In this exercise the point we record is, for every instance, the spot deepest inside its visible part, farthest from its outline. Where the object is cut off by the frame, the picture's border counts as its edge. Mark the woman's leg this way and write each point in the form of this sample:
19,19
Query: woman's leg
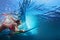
2,28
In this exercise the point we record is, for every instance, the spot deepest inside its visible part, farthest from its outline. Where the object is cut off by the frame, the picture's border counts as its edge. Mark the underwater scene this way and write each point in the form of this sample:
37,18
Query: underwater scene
29,20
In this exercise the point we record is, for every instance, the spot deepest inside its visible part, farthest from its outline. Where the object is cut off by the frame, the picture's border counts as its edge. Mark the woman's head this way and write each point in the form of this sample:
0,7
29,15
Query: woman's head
18,22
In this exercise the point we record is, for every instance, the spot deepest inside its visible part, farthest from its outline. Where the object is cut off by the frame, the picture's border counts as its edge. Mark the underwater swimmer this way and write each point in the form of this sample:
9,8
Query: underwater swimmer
10,23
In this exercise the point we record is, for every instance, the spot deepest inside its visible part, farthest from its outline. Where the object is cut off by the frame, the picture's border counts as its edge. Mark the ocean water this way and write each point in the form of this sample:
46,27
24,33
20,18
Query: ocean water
42,22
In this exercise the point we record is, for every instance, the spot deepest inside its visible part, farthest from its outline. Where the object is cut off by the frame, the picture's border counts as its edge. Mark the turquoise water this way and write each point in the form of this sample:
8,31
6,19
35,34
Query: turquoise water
44,26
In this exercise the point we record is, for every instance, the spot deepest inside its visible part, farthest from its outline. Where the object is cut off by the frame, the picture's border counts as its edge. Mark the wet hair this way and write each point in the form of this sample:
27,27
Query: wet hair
18,22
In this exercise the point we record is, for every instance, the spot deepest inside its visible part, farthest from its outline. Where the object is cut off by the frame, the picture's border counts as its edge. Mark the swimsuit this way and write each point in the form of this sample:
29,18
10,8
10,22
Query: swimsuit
8,22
